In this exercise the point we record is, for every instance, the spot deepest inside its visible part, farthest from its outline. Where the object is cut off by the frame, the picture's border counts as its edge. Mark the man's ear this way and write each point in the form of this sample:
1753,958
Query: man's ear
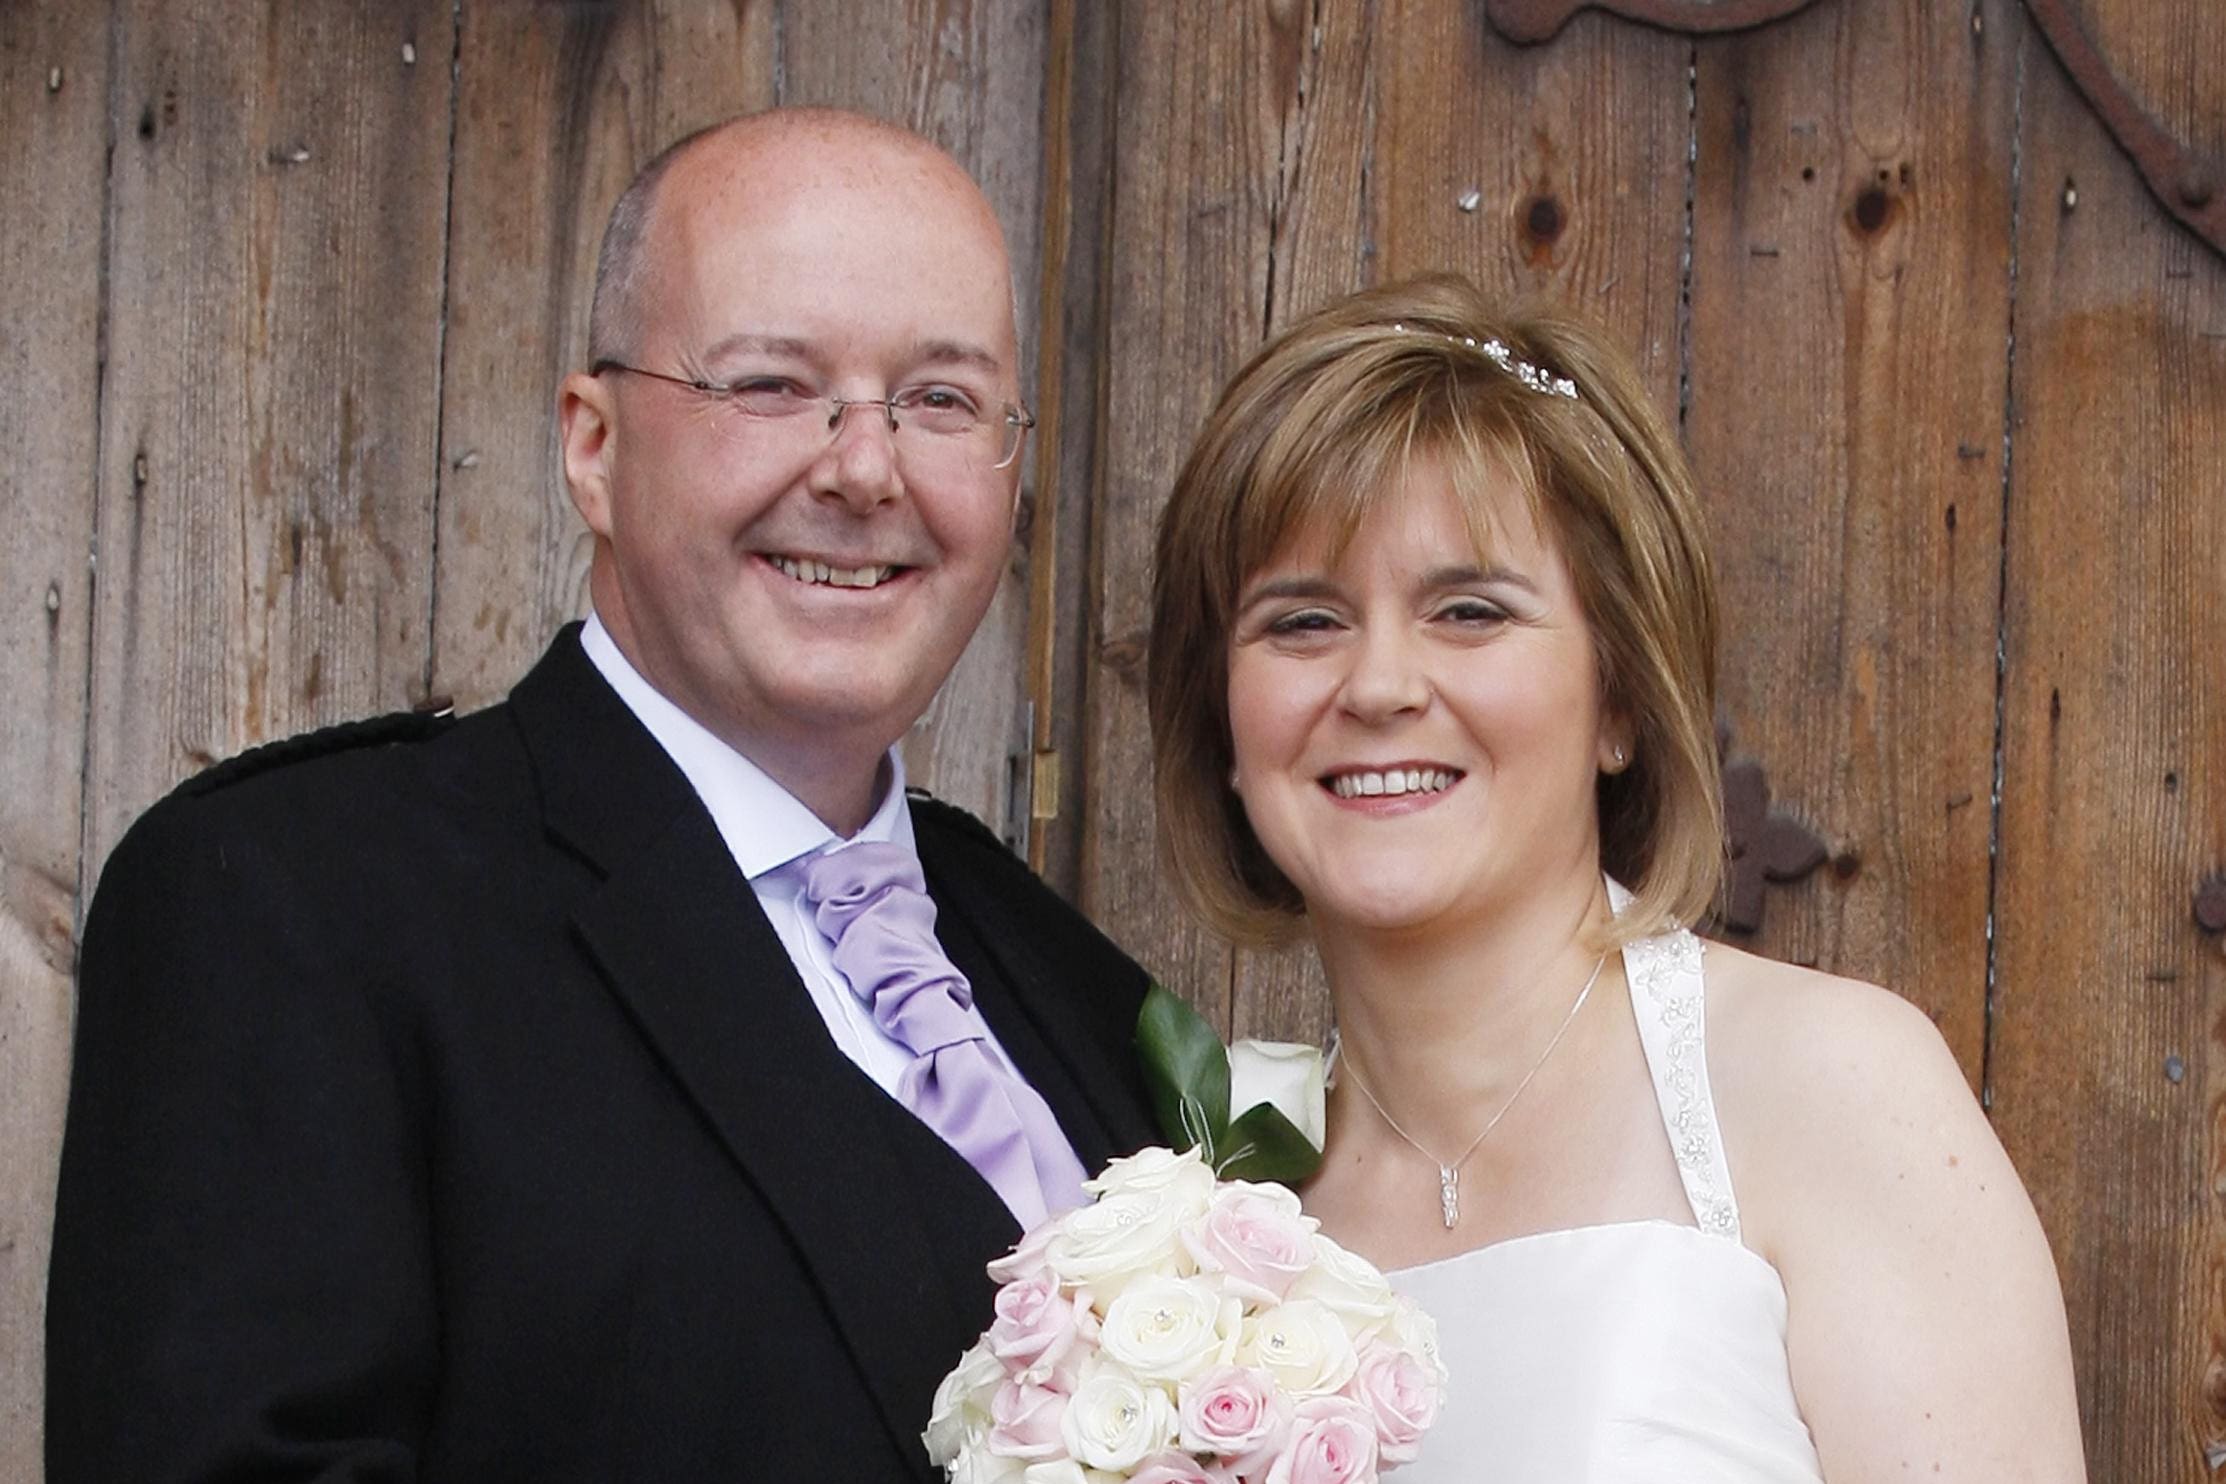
587,429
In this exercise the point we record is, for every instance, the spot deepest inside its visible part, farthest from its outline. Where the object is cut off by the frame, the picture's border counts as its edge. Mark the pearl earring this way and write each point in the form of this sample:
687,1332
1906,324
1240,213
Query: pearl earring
1617,754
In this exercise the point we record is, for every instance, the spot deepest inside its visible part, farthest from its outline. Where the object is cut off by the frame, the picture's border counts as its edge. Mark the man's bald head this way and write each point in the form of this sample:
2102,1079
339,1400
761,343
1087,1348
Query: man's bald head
726,154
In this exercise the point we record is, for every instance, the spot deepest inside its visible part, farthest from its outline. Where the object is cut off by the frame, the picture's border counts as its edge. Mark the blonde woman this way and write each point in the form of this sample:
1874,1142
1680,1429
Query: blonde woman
1432,684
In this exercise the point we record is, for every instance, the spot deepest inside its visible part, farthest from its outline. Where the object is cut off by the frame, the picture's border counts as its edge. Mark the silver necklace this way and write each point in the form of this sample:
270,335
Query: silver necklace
1449,1172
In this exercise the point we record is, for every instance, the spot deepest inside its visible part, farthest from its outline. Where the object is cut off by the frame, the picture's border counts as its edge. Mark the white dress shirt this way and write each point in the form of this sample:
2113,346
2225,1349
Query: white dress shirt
765,827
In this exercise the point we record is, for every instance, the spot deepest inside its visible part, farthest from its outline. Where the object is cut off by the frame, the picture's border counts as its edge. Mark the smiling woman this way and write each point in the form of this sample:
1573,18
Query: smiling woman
1432,682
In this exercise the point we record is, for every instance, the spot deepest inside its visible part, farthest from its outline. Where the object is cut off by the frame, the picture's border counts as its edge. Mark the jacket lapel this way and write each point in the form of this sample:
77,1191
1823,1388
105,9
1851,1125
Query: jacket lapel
681,941
1065,1025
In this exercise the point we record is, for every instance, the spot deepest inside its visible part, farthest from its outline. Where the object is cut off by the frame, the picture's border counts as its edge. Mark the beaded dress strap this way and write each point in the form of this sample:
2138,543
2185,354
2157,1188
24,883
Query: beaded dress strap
1666,998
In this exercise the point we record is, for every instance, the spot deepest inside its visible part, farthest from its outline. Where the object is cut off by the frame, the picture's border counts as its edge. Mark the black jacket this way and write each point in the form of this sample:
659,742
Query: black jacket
447,1109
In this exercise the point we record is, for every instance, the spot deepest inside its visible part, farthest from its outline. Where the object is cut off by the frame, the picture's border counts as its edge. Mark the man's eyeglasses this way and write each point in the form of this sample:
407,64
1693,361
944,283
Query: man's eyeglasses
934,425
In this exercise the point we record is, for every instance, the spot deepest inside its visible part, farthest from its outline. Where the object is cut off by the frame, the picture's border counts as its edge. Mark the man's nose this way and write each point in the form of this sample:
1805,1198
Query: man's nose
859,464
1388,676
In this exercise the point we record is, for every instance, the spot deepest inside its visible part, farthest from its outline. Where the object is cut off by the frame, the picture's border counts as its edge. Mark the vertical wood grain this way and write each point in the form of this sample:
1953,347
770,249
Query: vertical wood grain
1201,96
969,76
1850,331
2108,1069
1320,248
53,113
558,106
276,224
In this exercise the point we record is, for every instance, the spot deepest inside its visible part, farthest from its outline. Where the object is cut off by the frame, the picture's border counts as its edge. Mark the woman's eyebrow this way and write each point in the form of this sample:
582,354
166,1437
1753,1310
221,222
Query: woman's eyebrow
1289,587
1470,574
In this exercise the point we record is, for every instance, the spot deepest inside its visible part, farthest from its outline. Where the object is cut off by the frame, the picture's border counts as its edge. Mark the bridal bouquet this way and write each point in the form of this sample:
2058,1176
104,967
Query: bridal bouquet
1185,1328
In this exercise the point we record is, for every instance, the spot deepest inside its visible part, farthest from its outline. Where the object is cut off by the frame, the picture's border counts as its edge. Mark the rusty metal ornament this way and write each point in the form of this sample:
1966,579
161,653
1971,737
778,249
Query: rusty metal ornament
1766,844
2185,183
1527,22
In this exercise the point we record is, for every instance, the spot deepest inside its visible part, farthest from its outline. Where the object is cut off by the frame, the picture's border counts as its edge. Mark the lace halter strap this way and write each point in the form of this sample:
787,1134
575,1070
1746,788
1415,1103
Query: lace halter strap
1666,998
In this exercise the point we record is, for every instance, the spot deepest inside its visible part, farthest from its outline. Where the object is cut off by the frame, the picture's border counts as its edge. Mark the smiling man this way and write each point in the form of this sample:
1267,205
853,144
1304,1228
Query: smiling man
628,1081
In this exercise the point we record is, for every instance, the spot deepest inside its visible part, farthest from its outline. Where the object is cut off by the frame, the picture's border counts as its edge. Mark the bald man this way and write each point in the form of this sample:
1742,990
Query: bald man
587,1089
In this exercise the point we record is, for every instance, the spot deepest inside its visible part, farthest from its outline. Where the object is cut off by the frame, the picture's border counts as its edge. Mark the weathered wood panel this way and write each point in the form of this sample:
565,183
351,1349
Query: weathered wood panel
1201,96
1850,329
970,76
53,113
278,192
2108,1069
557,107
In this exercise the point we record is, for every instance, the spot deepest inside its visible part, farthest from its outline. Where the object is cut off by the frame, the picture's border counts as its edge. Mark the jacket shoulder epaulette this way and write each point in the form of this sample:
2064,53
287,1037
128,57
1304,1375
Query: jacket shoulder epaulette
347,736
950,816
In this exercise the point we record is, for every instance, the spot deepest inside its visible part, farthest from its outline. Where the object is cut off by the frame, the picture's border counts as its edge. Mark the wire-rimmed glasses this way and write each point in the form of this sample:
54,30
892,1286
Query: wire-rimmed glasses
931,425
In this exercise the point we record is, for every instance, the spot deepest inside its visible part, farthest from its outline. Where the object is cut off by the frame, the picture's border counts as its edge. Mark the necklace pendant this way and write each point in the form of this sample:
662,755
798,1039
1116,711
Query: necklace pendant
1449,1195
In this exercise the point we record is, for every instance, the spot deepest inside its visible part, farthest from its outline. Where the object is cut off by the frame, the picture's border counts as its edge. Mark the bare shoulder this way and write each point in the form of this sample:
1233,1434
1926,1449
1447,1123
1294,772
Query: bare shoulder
1926,1330
1822,1080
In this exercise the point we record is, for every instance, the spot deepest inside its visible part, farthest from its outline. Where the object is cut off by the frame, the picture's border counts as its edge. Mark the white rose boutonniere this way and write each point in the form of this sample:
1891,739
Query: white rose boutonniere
1256,1110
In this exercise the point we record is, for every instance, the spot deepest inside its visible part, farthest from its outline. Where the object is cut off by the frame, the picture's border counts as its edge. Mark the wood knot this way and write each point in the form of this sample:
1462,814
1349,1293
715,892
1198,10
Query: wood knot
1124,656
1542,220
2197,187
1873,209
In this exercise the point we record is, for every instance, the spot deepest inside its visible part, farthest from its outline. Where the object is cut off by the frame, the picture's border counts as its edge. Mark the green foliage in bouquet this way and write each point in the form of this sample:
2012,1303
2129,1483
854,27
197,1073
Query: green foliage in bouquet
1188,1074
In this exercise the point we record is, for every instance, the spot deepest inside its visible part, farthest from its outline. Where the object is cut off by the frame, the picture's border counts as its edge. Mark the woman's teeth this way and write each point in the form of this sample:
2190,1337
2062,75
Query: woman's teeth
810,571
1395,781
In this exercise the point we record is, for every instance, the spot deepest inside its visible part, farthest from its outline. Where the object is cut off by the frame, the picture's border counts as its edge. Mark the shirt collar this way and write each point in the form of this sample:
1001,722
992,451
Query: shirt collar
764,825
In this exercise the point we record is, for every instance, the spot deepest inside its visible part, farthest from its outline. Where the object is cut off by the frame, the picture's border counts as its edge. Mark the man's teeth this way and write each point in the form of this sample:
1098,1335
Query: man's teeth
804,570
1395,781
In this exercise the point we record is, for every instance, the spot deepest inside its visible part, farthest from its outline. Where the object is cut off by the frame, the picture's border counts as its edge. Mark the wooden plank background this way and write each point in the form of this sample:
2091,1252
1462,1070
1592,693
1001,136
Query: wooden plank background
279,339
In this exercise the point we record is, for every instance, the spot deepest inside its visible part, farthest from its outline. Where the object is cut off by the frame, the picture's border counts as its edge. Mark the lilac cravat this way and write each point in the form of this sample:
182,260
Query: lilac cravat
872,903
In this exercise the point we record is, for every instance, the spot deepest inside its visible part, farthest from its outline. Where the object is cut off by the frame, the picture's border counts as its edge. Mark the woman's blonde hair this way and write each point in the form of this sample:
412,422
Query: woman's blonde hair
1319,429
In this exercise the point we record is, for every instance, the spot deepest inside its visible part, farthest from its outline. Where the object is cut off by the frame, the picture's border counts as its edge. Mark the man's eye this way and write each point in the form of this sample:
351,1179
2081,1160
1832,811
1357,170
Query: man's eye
939,404
767,396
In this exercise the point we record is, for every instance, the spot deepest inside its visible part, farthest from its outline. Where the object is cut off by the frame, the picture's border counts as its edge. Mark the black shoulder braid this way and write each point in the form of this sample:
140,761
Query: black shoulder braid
932,809
347,736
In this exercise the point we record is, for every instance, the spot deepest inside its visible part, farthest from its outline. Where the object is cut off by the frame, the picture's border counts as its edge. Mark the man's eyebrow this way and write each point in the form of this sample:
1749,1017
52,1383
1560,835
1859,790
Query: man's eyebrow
956,352
778,345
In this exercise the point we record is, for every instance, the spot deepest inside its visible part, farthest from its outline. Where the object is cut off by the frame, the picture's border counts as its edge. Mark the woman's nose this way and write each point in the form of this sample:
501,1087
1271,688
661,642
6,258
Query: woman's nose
1387,677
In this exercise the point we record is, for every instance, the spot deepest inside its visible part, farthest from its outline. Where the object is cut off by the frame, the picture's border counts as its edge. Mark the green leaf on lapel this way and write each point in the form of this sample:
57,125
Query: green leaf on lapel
1264,1145
1186,1071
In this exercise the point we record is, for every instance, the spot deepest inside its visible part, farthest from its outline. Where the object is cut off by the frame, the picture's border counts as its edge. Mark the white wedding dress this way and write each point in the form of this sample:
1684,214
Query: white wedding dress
1636,1351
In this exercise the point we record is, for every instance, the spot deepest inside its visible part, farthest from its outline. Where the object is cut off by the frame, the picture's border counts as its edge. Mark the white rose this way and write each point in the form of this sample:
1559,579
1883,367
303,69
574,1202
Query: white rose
1169,1329
1414,1331
1348,1284
1303,1344
1284,1074
1114,1421
975,1464
1184,1179
1124,1236
960,1415
1066,1471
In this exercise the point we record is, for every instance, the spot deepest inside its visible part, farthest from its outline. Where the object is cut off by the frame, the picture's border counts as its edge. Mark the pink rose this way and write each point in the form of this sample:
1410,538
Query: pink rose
1333,1441
1025,1421
1256,1236
1035,1326
1402,1396
1240,1416
1178,1468
1027,1259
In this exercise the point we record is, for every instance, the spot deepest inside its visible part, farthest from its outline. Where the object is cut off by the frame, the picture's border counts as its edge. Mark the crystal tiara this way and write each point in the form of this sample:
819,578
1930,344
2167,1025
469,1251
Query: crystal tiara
1537,378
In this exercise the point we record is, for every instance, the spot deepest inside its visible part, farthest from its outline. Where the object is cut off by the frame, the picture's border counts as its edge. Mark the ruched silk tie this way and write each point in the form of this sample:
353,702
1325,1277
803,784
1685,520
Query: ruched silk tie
871,902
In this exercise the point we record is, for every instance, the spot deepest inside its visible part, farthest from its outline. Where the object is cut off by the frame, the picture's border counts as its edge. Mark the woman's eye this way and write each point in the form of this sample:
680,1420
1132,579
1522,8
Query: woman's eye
1305,621
1473,611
